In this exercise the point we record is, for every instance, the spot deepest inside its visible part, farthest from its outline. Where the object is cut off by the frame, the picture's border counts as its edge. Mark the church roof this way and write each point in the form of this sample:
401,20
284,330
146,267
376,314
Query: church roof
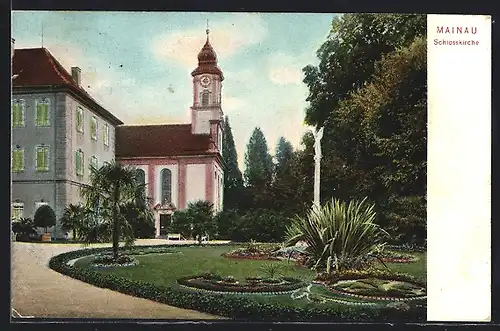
160,140
207,61
37,68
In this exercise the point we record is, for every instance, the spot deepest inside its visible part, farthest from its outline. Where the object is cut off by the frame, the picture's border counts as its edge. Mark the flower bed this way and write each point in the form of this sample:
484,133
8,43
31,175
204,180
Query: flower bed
251,254
235,307
397,257
375,285
108,261
216,283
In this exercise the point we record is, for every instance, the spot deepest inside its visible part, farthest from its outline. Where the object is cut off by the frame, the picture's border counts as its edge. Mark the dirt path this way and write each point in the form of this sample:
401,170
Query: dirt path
41,292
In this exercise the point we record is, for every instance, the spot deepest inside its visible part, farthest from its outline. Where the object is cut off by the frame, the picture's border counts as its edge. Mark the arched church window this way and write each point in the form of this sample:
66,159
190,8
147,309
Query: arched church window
140,177
166,186
204,98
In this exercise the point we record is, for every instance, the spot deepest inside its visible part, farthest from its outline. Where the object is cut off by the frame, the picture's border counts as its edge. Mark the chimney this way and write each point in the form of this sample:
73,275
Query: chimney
76,74
12,47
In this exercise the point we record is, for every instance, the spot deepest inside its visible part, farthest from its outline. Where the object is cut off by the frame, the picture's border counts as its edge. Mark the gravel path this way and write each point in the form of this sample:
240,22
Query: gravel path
41,292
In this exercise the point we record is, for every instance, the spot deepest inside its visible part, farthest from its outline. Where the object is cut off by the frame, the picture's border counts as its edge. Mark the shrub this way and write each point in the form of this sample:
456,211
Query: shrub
262,225
338,235
407,220
239,308
227,223
24,229
45,217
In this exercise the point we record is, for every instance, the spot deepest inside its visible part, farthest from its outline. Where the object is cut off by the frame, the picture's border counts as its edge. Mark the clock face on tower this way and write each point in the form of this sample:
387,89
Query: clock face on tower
205,81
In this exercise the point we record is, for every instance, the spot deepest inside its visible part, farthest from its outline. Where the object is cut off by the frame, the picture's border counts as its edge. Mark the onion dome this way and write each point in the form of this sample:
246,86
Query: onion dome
207,61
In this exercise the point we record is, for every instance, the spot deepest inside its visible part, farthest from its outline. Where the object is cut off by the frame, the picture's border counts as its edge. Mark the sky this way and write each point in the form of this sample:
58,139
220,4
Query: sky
138,64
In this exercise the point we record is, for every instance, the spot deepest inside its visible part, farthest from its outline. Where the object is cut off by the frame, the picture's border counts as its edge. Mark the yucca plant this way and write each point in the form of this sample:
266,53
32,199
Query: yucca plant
339,234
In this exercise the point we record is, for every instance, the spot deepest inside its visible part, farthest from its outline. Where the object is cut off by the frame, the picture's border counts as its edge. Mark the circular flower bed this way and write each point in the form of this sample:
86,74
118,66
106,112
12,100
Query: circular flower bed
379,289
108,261
375,285
397,257
218,284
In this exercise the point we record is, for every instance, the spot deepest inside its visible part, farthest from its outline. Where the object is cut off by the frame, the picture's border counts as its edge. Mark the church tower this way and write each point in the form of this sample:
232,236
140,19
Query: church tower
206,113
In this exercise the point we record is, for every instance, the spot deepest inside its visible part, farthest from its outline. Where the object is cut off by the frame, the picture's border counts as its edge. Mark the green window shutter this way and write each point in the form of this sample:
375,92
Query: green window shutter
38,114
21,160
77,163
45,111
39,157
17,156
14,114
45,159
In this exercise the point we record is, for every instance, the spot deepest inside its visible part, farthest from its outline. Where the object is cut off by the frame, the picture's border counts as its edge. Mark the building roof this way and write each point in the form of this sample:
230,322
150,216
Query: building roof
36,67
160,141
207,61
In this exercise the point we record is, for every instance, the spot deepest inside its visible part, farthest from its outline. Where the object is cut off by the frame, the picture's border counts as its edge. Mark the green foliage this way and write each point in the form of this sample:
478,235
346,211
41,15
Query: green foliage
181,223
195,221
200,215
73,219
369,91
235,307
338,235
111,188
141,219
272,270
227,223
258,162
408,220
45,217
262,225
233,179
23,229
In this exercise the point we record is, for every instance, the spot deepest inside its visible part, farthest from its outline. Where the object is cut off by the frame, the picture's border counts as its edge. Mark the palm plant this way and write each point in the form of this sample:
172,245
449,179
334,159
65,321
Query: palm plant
338,234
111,187
73,218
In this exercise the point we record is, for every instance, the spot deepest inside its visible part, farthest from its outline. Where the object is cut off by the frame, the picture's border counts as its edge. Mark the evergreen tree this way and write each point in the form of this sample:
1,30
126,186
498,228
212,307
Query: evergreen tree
233,180
258,161
283,157
258,172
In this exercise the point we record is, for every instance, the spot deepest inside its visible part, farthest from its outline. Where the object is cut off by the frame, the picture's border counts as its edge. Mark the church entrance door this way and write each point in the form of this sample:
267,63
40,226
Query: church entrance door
165,221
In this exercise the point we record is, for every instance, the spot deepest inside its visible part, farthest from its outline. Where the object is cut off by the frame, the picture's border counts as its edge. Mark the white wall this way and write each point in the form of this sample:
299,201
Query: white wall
195,182
175,183
202,118
218,188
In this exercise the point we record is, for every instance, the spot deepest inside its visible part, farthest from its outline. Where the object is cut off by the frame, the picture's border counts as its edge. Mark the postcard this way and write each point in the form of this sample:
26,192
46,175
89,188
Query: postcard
312,167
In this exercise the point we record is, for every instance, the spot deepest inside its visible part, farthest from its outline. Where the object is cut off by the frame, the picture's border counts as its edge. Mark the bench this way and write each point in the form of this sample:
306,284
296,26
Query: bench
176,236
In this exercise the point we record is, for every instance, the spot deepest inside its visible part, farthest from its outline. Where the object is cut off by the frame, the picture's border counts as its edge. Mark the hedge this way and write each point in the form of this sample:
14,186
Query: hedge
238,308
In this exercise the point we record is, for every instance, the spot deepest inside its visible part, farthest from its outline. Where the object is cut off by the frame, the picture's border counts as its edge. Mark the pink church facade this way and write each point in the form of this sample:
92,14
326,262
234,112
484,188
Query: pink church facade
181,163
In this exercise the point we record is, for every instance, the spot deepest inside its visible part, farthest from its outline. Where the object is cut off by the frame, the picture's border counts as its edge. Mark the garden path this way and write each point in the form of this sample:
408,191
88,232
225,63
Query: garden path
39,291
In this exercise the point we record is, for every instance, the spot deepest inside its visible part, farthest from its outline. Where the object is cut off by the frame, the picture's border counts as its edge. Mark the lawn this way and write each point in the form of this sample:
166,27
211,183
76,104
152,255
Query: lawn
165,269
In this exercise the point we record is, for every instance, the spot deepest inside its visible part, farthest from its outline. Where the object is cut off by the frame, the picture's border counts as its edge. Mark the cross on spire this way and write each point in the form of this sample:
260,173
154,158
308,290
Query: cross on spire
207,30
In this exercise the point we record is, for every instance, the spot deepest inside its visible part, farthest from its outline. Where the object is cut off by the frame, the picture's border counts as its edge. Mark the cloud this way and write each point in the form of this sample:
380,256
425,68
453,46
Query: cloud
284,69
227,36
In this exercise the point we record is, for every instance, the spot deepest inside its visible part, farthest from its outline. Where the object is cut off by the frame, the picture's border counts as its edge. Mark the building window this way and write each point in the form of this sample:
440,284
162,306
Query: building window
18,113
219,140
93,128
17,210
204,98
79,163
42,158
42,112
18,159
105,134
94,163
166,186
79,119
140,176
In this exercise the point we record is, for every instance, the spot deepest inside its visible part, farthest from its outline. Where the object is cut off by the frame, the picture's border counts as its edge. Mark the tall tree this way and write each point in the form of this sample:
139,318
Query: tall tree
233,179
258,161
258,172
283,157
